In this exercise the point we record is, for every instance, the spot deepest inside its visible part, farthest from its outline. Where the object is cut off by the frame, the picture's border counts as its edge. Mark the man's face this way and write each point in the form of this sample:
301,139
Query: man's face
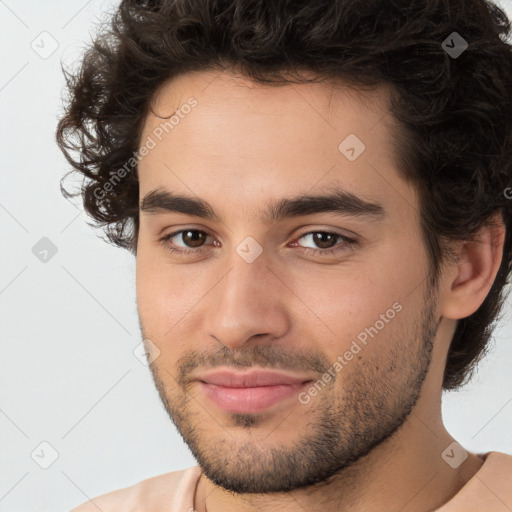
353,326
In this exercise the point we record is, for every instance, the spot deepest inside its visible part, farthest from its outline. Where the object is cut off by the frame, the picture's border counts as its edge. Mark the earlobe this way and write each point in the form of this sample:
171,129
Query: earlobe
479,262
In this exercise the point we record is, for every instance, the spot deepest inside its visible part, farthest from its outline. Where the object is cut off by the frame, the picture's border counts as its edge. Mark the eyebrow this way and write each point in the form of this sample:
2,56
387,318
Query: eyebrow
337,201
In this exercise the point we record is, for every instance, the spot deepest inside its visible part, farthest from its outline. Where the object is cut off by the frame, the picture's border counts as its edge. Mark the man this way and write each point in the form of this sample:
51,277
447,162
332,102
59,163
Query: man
317,196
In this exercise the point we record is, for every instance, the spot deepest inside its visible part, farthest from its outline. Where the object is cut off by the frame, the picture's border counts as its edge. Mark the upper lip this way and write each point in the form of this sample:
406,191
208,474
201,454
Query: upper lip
250,379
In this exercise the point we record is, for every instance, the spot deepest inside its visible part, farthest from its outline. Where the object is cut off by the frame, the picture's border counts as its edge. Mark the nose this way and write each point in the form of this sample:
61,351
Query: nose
248,302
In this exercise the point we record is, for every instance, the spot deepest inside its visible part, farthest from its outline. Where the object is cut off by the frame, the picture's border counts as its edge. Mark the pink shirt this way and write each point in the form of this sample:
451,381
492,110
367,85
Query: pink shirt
489,490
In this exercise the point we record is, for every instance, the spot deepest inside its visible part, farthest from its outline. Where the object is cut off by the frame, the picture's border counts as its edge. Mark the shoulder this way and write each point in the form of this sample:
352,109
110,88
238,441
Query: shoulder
498,476
169,492
489,489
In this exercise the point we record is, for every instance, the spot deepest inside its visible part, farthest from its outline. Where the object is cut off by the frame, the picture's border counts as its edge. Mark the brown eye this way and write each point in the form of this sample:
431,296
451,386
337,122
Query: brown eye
193,237
325,241
185,241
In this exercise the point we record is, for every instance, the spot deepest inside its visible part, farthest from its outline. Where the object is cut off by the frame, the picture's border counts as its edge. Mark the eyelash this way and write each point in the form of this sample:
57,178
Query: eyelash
347,245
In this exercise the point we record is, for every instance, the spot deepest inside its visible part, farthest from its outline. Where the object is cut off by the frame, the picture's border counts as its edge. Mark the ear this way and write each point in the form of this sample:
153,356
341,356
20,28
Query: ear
468,283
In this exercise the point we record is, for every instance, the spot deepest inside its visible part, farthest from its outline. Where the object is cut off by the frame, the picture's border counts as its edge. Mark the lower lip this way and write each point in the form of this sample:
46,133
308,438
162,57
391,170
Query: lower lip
249,400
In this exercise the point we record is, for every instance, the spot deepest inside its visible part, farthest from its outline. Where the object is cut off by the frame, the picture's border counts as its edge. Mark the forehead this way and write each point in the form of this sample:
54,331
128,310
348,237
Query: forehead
224,95
249,141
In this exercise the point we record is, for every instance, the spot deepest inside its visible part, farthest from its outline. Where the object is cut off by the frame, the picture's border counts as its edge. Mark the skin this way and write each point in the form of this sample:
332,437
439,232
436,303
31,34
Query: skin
372,438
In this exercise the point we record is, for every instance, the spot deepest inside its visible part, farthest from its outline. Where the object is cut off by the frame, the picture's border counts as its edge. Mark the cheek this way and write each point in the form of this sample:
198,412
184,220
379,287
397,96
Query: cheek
166,297
361,304
341,303
155,292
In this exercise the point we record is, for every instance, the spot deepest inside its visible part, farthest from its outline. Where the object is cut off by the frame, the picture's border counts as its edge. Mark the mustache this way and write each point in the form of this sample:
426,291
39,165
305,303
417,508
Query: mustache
262,356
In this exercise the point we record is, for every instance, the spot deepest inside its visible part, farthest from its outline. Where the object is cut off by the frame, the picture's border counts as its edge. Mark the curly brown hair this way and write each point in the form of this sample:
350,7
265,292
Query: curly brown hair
454,111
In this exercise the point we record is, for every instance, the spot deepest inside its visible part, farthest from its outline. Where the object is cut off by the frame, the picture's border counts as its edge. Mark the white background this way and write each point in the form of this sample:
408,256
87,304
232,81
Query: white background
68,326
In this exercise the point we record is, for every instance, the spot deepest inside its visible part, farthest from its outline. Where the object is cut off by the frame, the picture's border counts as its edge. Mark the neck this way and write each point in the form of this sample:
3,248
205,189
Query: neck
406,472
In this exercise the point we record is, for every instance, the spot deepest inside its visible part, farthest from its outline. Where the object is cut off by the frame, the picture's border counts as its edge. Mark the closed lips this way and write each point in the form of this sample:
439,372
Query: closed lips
252,379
